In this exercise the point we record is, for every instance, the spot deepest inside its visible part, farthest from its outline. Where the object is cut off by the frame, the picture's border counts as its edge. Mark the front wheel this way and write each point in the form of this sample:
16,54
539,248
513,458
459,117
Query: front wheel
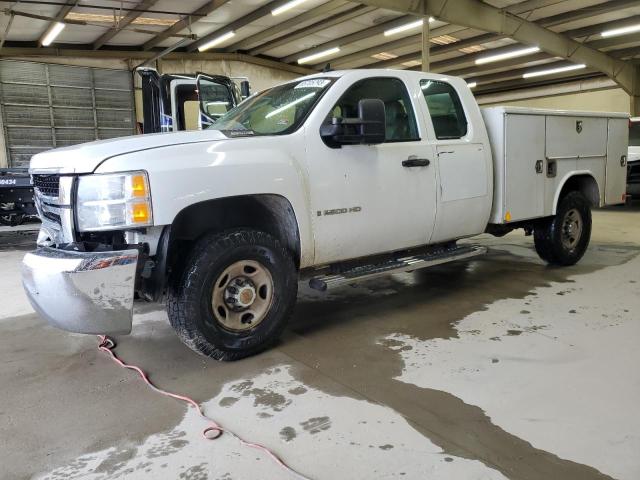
235,294
563,239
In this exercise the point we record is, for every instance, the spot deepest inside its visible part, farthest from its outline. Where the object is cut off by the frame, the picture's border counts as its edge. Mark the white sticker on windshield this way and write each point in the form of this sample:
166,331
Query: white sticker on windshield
313,83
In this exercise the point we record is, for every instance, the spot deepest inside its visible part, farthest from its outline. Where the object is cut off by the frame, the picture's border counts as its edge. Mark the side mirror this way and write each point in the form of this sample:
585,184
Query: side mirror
369,128
245,89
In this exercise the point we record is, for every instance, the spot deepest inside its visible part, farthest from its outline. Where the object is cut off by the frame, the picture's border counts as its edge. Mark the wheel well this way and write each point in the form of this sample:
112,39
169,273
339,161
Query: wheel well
269,213
584,184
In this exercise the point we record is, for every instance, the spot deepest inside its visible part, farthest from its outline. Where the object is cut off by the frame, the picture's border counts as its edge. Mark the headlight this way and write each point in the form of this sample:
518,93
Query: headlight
108,202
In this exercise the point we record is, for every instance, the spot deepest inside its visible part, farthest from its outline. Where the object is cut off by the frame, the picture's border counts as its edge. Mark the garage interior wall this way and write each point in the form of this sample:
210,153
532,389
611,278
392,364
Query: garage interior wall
610,100
48,105
259,76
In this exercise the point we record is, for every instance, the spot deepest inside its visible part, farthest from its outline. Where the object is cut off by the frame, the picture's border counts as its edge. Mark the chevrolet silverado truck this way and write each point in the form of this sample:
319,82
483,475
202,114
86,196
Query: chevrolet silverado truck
329,179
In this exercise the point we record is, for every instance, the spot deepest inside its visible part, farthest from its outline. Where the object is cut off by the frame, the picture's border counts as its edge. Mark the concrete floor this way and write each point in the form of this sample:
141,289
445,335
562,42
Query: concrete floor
500,368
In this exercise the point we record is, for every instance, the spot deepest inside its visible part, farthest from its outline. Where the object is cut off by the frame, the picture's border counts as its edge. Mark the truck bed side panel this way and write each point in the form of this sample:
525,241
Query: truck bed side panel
535,152
616,173
524,145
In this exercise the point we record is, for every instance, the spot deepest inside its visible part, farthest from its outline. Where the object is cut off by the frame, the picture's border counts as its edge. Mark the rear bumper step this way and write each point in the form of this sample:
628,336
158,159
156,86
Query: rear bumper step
404,264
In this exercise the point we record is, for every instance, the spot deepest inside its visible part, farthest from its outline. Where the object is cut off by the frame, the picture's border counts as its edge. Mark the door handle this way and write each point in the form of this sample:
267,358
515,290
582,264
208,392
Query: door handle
539,166
414,161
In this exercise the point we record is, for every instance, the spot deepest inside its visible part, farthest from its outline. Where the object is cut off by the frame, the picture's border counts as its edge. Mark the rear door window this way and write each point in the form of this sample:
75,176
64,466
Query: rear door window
445,109
400,119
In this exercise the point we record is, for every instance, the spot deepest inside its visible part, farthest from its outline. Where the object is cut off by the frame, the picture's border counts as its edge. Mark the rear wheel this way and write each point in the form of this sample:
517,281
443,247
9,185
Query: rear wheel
563,239
235,294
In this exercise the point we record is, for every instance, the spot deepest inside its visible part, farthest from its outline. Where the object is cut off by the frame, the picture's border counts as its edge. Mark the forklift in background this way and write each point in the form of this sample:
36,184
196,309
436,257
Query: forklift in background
171,102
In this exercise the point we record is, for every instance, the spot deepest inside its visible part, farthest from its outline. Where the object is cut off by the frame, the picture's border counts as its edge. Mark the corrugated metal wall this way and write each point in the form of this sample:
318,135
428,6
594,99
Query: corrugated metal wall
48,105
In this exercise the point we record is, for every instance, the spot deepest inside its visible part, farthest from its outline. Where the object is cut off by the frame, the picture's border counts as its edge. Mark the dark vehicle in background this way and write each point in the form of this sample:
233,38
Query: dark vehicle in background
16,196
171,102
633,172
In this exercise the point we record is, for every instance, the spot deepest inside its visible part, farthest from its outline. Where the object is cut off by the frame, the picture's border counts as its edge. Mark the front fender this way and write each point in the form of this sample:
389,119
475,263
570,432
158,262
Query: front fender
182,175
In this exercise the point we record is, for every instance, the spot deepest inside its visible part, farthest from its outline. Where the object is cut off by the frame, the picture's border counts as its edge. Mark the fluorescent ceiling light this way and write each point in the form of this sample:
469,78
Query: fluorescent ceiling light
290,104
53,33
507,55
472,84
216,41
286,6
315,56
621,31
405,27
551,71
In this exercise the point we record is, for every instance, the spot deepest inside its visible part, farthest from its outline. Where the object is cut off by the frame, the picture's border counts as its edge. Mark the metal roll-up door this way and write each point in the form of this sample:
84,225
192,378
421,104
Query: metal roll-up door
48,105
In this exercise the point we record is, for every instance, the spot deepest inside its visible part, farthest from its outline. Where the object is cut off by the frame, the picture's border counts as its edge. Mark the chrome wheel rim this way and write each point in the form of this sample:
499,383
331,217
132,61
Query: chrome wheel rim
242,295
572,226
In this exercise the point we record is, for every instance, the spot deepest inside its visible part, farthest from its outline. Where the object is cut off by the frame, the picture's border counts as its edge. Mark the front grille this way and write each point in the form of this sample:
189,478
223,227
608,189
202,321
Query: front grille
54,217
48,185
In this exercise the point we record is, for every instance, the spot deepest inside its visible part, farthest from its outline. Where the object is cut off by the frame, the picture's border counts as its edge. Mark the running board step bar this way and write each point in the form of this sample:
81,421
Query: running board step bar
404,264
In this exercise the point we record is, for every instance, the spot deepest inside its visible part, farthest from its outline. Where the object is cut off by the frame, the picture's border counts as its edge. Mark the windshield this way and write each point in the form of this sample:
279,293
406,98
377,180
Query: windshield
634,134
276,111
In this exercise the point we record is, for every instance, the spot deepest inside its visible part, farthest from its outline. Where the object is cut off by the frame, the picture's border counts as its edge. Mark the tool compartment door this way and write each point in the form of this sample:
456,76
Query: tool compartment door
570,137
524,166
616,168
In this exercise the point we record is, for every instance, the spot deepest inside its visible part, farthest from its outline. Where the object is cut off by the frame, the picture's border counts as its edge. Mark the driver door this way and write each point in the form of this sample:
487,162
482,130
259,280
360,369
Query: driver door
364,201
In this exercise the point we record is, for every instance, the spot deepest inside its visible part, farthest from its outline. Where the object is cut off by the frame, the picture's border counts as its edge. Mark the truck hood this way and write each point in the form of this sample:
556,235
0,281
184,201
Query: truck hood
634,154
85,157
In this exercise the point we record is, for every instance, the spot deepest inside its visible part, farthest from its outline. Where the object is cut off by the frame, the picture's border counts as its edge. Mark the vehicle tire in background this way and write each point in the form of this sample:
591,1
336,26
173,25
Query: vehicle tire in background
235,294
564,238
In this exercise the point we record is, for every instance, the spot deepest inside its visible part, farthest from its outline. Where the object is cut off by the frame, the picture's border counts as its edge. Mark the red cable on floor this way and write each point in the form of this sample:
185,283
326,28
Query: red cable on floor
214,430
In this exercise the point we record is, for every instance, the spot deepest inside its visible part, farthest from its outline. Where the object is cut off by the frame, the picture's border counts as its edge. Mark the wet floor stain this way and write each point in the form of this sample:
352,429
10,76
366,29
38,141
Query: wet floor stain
195,472
228,401
335,337
115,461
316,424
427,310
300,390
287,434
267,398
171,443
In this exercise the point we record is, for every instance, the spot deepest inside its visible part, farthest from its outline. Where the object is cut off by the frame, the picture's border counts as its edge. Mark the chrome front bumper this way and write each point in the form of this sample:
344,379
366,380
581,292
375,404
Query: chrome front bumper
82,292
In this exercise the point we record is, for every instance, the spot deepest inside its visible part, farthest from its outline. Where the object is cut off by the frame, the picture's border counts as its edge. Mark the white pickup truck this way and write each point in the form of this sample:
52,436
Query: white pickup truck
330,178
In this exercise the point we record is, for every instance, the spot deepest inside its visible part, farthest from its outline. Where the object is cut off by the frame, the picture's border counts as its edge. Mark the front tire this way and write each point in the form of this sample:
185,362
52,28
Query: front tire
563,239
235,294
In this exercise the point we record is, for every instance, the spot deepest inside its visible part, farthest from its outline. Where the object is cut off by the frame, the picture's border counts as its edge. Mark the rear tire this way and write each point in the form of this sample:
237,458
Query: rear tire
564,238
235,294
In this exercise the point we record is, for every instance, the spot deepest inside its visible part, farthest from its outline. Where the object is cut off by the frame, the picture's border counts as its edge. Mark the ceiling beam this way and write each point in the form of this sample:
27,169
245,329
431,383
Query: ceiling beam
350,38
523,7
575,33
615,41
59,17
518,9
591,11
87,51
186,22
520,83
482,16
598,28
239,23
320,11
411,41
311,29
123,22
